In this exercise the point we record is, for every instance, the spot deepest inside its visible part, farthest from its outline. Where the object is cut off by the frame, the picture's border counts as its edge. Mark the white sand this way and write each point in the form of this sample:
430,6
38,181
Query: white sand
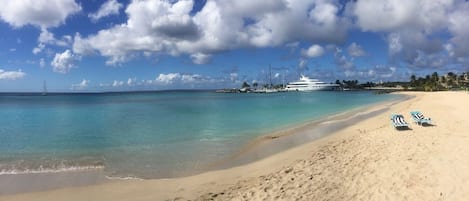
367,161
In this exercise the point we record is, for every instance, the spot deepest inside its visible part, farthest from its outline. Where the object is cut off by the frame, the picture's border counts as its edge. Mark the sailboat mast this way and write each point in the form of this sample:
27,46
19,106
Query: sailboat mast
270,76
44,88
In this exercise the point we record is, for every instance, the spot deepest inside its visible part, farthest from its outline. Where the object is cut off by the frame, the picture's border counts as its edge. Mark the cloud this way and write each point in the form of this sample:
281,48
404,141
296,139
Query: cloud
303,64
381,71
391,15
459,29
170,81
413,29
42,63
64,62
131,81
376,73
39,48
47,37
11,75
117,83
183,80
110,7
394,43
82,85
313,51
342,61
41,13
169,27
234,77
355,50
168,78
201,58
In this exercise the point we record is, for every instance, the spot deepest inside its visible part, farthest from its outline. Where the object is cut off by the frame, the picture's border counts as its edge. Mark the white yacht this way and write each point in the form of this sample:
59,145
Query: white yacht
308,84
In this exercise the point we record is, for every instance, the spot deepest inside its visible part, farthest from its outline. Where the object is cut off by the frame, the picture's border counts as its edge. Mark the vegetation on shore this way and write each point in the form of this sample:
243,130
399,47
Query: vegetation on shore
432,82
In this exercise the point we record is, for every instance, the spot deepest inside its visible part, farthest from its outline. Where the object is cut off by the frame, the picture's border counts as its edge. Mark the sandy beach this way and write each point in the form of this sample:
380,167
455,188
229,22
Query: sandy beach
367,160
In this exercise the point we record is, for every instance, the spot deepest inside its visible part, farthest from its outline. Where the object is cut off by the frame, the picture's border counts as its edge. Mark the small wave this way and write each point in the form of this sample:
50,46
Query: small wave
123,178
49,170
49,166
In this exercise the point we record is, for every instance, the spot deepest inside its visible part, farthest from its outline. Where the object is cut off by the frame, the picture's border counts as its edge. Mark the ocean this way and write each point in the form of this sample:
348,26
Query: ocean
151,134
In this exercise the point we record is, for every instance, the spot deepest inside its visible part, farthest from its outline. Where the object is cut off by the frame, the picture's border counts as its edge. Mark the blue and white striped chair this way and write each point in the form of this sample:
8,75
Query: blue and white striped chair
419,118
397,120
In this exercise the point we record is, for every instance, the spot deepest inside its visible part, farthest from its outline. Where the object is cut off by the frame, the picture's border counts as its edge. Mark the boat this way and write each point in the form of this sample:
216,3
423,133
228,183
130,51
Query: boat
269,88
265,90
44,89
308,84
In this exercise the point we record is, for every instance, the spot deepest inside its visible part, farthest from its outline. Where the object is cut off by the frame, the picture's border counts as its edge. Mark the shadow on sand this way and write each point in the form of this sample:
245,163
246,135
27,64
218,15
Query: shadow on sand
406,128
427,125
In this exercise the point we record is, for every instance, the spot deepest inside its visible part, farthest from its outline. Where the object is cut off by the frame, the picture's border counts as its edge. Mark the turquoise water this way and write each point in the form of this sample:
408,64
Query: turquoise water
150,135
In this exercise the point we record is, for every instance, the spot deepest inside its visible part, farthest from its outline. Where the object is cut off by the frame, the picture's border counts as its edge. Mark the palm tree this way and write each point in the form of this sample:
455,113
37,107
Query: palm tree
451,79
245,85
443,81
435,77
412,80
338,82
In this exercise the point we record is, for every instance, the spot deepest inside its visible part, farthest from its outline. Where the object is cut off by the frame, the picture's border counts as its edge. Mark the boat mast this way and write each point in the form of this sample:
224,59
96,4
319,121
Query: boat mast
283,81
270,76
44,88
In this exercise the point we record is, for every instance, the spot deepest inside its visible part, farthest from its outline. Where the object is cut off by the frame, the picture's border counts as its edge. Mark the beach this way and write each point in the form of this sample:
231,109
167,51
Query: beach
366,160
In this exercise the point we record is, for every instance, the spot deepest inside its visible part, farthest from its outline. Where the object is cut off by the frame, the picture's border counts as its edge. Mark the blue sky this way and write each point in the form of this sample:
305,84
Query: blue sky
114,45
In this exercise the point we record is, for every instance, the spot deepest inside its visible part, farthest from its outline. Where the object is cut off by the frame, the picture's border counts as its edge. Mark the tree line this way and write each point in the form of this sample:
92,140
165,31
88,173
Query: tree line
432,82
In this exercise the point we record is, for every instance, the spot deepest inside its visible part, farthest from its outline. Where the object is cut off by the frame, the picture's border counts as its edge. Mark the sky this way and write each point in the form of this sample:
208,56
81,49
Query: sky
121,45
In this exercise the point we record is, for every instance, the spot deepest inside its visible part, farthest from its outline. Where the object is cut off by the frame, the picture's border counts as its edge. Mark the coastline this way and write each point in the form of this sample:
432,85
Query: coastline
265,145
156,148
365,160
289,137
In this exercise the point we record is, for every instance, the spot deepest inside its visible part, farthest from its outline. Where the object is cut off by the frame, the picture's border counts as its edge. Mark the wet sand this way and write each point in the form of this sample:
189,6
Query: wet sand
365,160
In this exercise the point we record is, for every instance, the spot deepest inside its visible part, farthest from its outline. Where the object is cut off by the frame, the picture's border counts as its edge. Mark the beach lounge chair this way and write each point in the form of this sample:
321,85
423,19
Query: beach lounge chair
419,118
397,120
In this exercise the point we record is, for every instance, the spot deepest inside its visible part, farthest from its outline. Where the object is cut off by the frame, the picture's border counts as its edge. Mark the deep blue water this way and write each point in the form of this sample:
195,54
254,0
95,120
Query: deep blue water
150,134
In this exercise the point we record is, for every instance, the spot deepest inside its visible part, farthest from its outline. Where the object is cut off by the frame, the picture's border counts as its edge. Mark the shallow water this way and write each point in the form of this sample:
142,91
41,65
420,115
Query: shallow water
150,135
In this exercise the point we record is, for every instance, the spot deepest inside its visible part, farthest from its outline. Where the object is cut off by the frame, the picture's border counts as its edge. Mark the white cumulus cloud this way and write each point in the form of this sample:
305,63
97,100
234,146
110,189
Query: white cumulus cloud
410,27
11,75
131,81
313,51
356,50
41,13
169,27
201,58
82,85
389,15
168,78
110,7
47,37
117,83
63,62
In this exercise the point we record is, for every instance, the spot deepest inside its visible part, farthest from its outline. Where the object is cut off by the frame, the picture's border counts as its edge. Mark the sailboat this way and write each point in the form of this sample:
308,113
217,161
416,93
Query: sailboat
44,89
269,88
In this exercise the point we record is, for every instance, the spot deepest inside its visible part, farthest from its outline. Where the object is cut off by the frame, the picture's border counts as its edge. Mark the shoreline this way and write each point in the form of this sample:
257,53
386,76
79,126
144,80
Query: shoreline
261,147
297,135
368,160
